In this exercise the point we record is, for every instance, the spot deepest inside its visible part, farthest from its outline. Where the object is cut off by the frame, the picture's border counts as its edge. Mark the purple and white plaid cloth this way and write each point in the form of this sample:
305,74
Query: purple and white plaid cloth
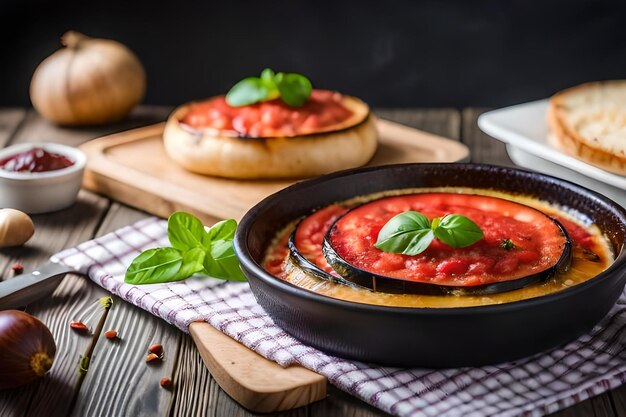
533,386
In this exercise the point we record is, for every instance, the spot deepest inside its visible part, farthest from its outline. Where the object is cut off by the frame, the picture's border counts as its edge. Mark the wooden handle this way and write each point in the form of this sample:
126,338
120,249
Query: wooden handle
254,382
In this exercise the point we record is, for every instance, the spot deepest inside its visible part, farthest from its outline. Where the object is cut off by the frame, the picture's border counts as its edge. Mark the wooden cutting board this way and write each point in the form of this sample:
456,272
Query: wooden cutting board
132,167
254,382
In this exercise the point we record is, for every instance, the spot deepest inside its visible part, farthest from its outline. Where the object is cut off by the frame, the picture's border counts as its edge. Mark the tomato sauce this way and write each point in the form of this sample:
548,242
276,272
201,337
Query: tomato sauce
35,160
537,241
272,118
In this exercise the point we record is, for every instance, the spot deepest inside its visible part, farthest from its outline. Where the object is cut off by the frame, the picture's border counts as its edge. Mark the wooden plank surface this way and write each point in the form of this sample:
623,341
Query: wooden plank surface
121,362
119,383
10,120
484,148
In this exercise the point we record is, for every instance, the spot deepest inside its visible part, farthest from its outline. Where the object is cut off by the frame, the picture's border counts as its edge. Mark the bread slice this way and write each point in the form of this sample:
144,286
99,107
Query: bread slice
589,122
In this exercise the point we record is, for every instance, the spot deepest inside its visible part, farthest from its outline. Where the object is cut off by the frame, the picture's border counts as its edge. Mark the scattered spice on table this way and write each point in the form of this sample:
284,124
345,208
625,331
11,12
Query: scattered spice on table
157,349
110,334
17,268
152,357
79,326
166,382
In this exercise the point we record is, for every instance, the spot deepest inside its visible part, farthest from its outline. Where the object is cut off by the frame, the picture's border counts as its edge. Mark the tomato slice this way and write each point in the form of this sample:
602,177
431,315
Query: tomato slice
540,246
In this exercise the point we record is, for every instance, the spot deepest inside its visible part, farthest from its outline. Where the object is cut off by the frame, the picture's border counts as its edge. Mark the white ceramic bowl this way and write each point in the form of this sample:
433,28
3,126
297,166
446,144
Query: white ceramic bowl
41,192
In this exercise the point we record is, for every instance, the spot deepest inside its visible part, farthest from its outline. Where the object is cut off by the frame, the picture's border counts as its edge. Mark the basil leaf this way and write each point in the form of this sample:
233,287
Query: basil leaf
408,233
222,262
457,231
164,265
194,250
295,89
193,262
185,231
267,79
410,243
154,265
404,222
267,76
224,230
247,91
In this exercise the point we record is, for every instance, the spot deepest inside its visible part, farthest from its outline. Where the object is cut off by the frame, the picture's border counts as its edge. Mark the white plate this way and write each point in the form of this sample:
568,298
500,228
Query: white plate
524,127
528,160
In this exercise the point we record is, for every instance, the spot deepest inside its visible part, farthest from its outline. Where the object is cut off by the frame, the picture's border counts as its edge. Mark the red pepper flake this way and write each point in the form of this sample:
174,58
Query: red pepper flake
79,326
152,358
17,268
157,349
110,334
166,382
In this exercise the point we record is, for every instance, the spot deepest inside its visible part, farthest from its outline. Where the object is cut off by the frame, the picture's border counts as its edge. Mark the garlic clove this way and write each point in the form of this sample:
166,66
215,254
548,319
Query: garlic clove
16,227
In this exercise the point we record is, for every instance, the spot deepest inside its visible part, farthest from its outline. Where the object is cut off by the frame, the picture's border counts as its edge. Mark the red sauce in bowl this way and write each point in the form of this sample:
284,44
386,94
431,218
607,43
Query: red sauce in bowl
35,160
271,118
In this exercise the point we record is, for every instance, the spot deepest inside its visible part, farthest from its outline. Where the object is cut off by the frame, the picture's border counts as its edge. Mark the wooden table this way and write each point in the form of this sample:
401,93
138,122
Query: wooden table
119,383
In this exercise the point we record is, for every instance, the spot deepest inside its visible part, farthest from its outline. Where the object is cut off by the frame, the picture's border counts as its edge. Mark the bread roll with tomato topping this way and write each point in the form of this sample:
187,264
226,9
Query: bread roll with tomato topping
589,122
272,140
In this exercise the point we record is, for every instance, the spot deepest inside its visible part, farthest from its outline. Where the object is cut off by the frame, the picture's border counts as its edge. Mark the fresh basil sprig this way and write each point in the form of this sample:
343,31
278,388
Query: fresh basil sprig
410,232
194,251
294,89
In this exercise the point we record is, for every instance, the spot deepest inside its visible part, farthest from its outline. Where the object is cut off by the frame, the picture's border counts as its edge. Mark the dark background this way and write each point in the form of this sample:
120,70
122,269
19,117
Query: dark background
390,53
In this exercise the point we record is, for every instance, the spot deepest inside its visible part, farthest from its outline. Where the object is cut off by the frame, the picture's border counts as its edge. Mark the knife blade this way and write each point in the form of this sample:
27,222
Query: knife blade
31,286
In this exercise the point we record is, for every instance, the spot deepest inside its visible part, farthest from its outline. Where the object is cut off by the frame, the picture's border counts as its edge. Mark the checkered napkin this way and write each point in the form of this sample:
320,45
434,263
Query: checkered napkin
533,386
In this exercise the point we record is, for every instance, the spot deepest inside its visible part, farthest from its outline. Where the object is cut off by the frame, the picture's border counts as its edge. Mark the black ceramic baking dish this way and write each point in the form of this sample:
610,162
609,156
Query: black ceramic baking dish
431,337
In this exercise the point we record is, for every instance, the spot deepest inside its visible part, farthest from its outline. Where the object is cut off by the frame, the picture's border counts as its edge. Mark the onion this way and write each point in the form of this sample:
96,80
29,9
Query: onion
90,81
27,348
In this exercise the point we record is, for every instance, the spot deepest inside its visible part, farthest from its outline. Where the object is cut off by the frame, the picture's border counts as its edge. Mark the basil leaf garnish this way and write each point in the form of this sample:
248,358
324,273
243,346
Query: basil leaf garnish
267,76
294,89
195,251
247,91
410,232
457,231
